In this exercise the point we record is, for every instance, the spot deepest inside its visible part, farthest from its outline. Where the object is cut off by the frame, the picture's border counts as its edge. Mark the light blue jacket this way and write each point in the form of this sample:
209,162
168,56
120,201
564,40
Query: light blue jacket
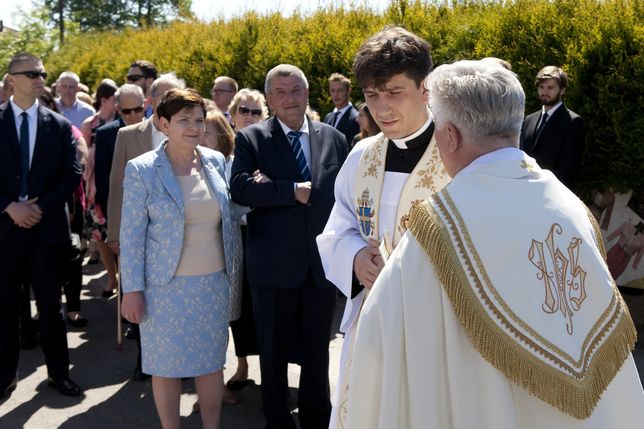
152,222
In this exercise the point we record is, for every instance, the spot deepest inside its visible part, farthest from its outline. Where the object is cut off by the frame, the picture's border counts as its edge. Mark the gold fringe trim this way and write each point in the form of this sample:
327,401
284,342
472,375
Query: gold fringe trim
576,398
598,234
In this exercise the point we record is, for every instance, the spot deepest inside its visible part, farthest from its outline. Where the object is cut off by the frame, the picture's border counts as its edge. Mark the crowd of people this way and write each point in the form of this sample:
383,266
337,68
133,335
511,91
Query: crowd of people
243,210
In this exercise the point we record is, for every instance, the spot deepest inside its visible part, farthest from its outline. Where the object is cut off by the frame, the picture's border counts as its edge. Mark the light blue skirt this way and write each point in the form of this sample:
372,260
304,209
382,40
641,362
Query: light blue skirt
184,332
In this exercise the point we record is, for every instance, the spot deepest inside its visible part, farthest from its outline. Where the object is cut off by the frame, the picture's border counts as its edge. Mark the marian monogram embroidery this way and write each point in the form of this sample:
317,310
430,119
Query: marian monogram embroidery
563,278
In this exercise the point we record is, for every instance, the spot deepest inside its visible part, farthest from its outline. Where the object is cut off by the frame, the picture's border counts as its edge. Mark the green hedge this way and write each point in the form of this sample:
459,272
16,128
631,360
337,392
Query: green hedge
599,43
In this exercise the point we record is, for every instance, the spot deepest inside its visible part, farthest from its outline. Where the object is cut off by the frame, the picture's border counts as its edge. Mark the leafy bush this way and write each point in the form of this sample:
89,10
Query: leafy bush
598,42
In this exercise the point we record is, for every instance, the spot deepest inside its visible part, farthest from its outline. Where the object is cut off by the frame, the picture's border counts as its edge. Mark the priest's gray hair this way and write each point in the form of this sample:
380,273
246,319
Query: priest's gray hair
284,70
481,98
129,89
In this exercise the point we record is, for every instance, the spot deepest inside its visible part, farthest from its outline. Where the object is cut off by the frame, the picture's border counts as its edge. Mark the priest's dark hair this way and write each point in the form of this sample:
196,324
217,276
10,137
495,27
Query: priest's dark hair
389,52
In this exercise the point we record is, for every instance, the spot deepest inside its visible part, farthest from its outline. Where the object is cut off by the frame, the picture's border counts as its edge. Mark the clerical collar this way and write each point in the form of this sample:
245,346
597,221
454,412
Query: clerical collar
415,139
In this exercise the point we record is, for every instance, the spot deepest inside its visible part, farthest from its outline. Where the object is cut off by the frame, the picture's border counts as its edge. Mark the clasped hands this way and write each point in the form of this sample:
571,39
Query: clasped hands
25,214
368,263
302,189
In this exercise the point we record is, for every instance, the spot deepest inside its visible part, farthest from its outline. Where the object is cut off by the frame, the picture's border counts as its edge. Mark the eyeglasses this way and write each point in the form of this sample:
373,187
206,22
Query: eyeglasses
132,110
243,110
32,74
134,77
221,91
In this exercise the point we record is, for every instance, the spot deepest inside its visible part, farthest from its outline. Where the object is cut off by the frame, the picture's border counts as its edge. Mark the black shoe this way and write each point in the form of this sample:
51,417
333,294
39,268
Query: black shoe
139,375
6,389
65,386
108,293
28,343
77,323
130,334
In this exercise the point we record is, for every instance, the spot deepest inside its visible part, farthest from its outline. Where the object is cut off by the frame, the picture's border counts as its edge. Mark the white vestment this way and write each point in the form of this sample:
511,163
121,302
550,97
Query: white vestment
341,238
422,363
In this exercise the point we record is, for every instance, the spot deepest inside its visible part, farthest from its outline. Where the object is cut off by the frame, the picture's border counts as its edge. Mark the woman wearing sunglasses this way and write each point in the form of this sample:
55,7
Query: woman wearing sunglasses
247,108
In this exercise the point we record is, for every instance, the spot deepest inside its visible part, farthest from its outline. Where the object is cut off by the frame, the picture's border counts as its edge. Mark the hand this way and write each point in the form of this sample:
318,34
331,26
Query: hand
258,177
368,263
133,307
302,192
114,247
25,214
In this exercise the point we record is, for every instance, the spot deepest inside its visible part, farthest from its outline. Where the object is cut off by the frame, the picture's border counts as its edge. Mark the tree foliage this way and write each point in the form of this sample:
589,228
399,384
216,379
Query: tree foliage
598,42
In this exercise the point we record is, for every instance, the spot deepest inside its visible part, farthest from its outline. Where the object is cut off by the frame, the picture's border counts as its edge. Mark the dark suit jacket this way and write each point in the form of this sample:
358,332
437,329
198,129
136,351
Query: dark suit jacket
105,140
560,146
281,247
53,175
348,124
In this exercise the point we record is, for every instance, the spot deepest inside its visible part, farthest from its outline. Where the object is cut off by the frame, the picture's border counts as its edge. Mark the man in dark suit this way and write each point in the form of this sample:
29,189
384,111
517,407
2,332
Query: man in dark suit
285,169
554,135
38,171
344,117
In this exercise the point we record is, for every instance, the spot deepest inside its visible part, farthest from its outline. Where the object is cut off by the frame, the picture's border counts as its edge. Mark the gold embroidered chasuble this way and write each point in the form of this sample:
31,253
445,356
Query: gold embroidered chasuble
522,263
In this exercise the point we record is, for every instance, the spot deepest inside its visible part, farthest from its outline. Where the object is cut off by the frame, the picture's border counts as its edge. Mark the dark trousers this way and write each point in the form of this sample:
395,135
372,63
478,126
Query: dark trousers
41,263
306,312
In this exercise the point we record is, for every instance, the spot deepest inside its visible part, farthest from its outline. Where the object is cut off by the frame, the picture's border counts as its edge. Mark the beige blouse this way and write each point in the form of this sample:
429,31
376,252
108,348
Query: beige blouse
203,247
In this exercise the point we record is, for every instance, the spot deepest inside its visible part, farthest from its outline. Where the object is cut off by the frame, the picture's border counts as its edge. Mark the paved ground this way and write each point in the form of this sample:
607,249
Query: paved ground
111,400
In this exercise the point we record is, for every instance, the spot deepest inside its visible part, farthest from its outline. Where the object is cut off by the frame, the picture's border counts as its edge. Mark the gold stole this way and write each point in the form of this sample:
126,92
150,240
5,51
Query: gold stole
429,176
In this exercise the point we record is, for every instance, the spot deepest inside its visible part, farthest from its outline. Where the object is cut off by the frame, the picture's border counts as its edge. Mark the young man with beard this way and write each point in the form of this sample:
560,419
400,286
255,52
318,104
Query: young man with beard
383,177
554,135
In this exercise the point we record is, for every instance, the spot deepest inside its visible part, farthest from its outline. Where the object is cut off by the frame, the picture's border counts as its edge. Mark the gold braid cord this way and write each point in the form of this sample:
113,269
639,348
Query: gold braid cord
575,397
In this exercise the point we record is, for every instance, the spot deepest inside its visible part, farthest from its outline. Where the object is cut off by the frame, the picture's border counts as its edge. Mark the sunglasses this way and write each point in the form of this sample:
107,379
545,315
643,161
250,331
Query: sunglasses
245,111
32,74
132,110
134,77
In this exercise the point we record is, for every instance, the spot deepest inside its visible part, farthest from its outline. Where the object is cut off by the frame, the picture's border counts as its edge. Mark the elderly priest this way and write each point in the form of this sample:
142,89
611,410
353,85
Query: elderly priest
496,309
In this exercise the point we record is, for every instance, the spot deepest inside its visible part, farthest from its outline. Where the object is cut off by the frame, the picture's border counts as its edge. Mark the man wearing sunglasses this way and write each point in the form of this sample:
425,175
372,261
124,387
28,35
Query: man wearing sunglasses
38,170
132,141
142,73
130,104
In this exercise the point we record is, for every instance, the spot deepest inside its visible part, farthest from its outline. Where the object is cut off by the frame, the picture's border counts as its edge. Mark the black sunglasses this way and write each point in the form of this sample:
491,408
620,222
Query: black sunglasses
32,74
134,109
245,111
134,77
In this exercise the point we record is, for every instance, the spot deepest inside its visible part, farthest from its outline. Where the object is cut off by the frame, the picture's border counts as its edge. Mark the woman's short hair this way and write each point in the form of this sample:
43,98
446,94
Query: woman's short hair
392,51
481,98
223,132
249,94
175,100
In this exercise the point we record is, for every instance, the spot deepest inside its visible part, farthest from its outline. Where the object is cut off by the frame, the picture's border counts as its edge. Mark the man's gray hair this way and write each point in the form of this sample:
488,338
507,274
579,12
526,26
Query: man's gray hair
284,70
69,75
169,79
129,89
481,98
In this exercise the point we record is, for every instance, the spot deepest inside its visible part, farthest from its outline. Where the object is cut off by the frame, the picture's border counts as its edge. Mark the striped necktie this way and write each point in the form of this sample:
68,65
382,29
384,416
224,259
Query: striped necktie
296,146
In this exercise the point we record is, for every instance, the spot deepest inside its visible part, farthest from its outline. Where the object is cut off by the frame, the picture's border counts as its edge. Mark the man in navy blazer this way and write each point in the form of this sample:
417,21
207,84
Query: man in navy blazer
344,116
38,171
554,135
285,169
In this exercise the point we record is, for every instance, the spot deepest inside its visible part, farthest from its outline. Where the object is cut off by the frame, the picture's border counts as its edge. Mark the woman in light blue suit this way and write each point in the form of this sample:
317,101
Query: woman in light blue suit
180,259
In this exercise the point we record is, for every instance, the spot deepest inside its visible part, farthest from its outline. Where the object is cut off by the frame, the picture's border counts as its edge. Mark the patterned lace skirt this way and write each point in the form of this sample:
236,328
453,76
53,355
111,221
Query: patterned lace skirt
185,329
